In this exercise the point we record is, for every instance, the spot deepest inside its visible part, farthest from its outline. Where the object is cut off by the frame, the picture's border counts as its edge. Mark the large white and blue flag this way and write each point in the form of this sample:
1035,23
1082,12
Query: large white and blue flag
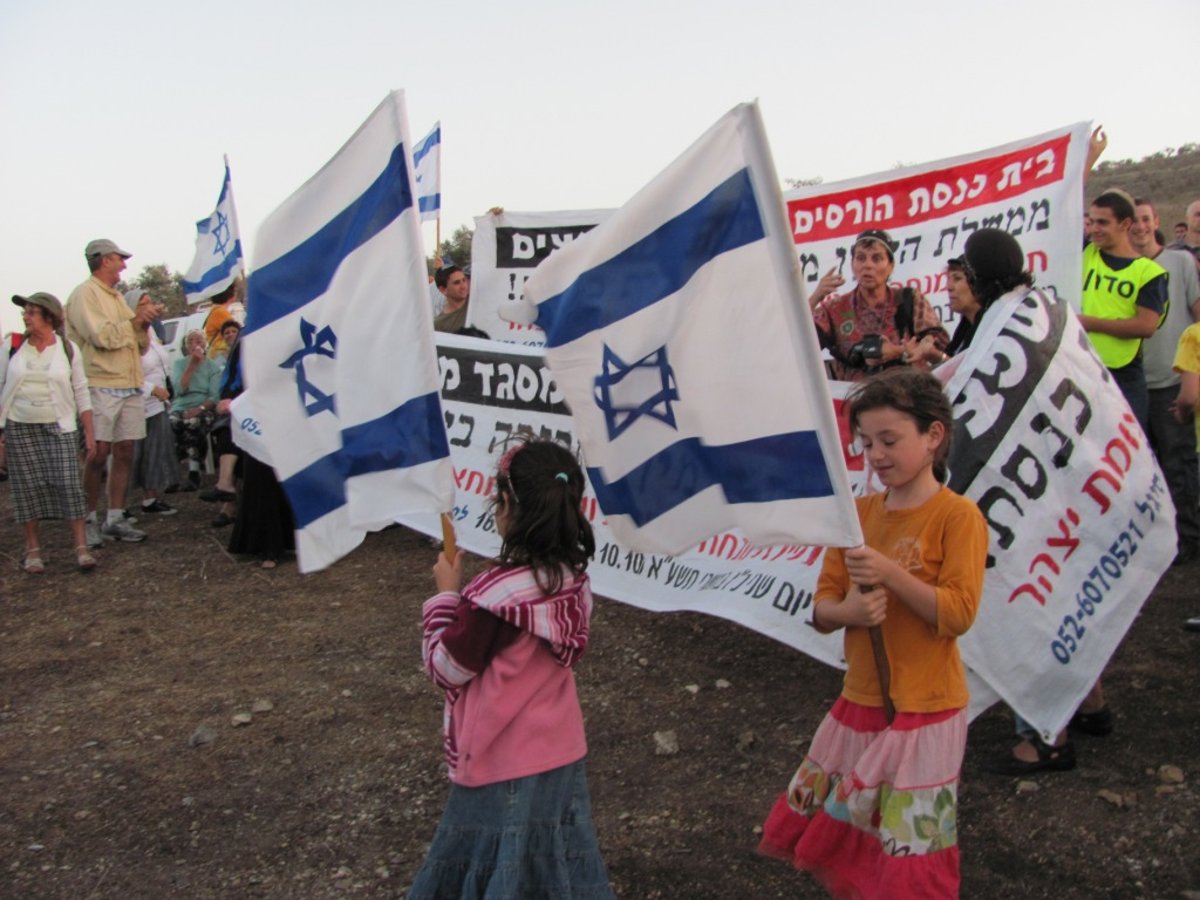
338,351
678,334
427,164
218,259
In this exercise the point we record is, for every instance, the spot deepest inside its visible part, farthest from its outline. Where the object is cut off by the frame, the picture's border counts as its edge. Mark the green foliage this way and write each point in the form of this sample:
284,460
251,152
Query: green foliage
165,286
457,248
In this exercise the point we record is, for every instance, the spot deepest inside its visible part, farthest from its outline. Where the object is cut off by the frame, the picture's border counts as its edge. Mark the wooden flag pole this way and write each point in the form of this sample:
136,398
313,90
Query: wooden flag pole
883,670
449,541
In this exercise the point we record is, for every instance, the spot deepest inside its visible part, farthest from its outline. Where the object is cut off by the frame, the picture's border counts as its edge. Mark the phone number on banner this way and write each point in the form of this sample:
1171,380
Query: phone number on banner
1099,581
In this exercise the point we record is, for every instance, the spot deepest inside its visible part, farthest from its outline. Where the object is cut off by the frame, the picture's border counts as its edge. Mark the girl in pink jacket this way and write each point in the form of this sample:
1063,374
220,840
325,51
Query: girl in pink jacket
518,820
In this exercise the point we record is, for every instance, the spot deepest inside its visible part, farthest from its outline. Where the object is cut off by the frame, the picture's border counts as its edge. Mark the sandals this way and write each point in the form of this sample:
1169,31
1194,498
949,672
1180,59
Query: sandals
1049,759
1098,723
84,559
32,563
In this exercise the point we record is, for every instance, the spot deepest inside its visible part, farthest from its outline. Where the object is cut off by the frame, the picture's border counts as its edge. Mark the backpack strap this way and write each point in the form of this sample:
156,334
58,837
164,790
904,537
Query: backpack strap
19,339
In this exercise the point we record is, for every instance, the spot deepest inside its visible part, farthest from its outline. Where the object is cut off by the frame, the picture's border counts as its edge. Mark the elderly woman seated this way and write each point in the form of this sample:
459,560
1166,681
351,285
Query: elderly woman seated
197,382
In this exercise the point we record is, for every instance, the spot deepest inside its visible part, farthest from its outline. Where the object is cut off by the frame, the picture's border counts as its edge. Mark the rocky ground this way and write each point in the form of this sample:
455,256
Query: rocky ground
182,723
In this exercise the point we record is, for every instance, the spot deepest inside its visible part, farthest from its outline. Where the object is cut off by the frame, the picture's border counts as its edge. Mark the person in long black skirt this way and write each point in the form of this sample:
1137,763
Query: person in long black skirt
264,526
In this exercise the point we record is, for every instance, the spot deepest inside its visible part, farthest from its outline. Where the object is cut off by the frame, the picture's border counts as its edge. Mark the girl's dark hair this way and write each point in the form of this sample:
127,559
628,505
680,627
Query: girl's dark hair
542,486
912,392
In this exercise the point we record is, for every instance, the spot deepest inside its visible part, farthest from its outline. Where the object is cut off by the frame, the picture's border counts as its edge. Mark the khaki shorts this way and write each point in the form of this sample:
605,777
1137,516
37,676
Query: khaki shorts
118,418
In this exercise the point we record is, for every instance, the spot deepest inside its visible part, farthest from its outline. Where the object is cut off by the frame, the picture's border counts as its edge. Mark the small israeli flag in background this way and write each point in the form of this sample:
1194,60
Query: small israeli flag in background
218,259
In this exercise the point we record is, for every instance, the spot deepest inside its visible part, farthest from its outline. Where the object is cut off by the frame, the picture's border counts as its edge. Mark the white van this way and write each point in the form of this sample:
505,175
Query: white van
174,331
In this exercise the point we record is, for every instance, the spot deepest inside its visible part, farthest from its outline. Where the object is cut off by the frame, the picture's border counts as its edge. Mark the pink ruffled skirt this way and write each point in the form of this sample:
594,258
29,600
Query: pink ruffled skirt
871,812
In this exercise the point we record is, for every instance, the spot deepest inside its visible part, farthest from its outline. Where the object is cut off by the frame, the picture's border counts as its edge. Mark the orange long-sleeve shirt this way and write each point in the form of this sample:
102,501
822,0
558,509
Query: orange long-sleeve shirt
943,542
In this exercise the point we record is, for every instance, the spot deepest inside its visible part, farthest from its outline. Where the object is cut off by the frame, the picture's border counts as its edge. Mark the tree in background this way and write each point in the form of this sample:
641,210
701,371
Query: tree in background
457,248
165,287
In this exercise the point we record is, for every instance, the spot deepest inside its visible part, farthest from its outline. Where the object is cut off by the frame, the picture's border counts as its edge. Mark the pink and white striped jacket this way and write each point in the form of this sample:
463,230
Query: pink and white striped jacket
503,652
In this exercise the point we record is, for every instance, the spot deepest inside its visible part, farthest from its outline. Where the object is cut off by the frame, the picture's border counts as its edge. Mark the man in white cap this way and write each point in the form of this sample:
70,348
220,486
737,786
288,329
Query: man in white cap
112,338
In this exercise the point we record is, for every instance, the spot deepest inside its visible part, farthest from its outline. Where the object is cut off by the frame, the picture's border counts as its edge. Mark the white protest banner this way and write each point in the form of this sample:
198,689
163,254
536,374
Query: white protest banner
1081,524
1030,188
505,250
493,391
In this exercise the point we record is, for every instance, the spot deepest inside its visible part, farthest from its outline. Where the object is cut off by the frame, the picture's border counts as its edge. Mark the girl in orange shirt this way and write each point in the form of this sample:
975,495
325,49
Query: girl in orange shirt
871,810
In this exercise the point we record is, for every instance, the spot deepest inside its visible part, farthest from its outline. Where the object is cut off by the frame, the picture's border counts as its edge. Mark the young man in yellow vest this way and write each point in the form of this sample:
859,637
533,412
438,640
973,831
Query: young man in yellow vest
1124,296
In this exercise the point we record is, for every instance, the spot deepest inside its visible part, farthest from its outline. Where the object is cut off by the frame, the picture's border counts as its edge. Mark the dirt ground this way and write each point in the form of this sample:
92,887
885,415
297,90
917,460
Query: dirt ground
124,773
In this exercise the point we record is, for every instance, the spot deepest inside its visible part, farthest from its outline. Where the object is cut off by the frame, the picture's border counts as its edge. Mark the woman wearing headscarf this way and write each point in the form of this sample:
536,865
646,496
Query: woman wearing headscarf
992,264
155,464
43,401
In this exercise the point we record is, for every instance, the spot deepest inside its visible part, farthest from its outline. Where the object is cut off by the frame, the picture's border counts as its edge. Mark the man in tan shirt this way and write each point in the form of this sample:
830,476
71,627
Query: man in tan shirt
112,338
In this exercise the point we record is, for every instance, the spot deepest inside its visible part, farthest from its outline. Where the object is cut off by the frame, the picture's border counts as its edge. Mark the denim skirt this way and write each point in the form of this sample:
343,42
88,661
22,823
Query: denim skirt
531,837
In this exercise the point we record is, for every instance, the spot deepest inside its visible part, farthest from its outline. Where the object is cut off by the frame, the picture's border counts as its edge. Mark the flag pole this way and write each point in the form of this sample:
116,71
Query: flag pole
237,229
437,247
449,540
783,252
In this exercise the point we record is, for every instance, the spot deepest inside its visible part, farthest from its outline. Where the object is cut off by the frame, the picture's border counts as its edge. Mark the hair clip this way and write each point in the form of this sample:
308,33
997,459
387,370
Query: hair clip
561,476
507,458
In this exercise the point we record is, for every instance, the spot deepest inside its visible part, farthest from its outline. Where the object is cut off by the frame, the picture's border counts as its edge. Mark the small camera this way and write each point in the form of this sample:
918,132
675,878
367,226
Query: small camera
869,348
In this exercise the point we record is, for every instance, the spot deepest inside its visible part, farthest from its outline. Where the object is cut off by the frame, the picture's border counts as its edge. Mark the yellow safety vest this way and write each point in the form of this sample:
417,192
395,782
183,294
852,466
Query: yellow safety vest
1112,294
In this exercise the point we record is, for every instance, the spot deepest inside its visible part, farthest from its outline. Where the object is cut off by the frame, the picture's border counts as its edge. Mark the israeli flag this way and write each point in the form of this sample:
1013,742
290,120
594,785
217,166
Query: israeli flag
427,164
678,333
218,259
338,354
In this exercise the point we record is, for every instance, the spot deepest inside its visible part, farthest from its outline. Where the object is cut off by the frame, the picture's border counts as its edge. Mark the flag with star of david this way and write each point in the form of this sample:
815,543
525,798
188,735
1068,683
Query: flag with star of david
218,260
678,333
338,355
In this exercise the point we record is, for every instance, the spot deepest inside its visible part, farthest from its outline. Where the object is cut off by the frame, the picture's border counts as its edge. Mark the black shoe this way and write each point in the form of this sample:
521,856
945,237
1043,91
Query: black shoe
1192,624
172,489
1098,723
162,509
1049,759
222,520
216,495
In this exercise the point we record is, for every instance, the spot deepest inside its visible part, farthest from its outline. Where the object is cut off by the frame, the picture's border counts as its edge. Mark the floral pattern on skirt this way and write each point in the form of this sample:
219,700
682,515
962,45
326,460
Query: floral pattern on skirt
872,810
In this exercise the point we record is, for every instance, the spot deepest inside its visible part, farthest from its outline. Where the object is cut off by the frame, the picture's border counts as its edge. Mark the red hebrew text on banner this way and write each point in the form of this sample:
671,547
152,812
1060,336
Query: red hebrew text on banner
929,195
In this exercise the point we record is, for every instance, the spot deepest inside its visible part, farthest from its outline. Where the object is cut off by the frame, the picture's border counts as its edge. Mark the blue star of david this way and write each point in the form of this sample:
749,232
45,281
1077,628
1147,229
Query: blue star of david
626,392
316,343
221,234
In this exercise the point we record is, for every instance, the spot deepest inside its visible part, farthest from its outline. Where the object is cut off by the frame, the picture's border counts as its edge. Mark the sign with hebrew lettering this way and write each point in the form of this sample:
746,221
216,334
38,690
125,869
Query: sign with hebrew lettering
492,392
1032,189
1081,524
505,250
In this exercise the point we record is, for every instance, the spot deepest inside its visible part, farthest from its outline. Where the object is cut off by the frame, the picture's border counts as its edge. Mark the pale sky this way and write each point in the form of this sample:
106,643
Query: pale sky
116,115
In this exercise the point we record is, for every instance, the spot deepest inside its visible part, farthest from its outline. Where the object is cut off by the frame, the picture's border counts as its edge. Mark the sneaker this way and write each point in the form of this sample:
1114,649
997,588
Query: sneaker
121,531
162,509
216,495
94,538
